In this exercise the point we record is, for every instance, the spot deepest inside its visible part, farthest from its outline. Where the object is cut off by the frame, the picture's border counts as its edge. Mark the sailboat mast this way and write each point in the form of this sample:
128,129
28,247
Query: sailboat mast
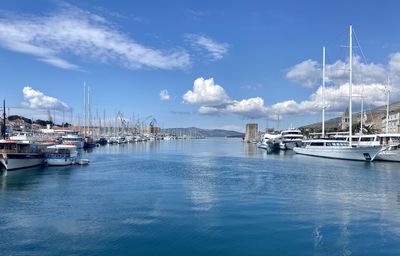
84,107
89,110
4,128
387,105
350,85
362,110
323,92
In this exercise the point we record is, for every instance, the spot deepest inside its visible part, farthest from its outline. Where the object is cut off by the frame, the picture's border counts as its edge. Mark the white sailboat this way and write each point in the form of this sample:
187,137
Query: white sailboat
390,140
339,149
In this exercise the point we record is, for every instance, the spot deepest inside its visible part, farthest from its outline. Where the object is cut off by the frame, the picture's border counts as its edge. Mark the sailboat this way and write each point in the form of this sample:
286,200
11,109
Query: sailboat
339,149
88,139
390,140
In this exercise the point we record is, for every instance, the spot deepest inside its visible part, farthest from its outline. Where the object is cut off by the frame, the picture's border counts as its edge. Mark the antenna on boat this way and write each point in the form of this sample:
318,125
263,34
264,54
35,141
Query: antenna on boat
323,92
350,85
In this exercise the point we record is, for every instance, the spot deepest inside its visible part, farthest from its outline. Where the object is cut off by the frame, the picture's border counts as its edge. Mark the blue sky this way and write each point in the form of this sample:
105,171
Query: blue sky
250,60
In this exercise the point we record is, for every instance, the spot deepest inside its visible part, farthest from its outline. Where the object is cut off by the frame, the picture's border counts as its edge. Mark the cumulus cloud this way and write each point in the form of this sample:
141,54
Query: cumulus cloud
164,95
305,73
394,62
336,100
250,108
72,31
35,99
369,81
309,72
215,49
205,91
213,100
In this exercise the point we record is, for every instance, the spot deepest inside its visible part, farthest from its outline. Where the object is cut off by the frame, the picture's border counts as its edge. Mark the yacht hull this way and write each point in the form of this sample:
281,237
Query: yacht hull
61,161
290,145
19,161
345,153
270,147
389,155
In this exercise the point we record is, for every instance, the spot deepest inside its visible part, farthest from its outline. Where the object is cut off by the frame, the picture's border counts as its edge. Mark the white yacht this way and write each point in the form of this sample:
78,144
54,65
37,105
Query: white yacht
291,138
73,138
391,142
61,155
391,153
339,149
270,142
16,154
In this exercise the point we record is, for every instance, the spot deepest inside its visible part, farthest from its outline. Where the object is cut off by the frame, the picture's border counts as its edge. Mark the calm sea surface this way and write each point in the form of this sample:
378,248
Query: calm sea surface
201,197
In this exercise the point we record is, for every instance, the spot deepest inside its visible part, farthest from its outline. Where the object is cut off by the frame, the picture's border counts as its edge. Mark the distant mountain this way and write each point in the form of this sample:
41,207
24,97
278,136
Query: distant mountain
194,131
375,116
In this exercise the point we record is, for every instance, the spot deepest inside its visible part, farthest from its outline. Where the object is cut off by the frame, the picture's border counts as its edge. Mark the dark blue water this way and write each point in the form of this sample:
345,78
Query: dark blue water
201,197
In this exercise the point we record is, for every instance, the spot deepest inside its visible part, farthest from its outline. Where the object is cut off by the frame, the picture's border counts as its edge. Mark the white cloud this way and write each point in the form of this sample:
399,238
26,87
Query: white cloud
369,80
305,73
164,95
336,100
37,100
72,31
249,108
394,62
206,92
213,100
215,49
309,73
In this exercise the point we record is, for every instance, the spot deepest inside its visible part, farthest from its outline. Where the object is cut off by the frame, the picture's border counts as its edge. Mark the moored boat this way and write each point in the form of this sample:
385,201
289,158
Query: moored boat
270,142
338,150
89,143
74,138
19,154
291,138
61,155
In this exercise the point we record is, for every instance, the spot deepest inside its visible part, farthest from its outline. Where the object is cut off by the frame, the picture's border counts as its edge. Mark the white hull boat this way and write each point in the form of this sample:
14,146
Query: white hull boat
338,150
61,155
19,161
291,138
270,142
83,161
391,154
16,154
391,143
61,161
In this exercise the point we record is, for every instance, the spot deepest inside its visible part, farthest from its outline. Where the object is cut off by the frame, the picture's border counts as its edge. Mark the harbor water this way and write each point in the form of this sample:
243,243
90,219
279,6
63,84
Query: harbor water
201,197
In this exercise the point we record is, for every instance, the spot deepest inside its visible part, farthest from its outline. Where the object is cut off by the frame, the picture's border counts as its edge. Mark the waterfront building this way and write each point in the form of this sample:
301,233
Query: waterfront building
393,123
251,132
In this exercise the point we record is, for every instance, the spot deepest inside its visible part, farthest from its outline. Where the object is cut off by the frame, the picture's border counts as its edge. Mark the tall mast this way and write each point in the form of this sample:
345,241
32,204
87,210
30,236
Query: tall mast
362,110
88,103
387,105
3,128
84,107
350,85
323,92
